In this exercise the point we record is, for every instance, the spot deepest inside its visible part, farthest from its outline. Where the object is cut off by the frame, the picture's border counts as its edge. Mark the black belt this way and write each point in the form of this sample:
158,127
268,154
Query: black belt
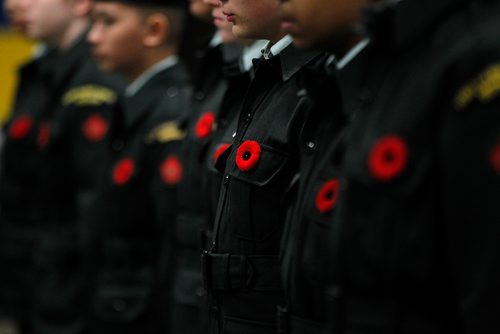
241,272
291,324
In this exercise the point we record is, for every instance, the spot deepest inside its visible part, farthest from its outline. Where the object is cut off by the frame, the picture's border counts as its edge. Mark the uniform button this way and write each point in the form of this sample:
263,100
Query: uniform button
234,134
200,292
199,96
311,145
117,145
172,92
226,180
248,117
119,305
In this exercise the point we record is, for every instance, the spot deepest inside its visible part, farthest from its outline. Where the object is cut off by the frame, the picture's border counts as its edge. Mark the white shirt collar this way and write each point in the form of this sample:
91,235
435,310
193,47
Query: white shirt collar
352,53
216,40
250,53
134,87
277,47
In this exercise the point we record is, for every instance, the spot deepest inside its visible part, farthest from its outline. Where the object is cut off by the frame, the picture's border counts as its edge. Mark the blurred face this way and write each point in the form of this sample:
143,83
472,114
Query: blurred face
320,23
200,10
117,37
48,20
223,26
16,12
256,19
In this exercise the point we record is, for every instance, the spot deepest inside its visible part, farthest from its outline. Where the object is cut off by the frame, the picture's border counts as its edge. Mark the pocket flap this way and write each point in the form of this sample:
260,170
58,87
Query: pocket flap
269,164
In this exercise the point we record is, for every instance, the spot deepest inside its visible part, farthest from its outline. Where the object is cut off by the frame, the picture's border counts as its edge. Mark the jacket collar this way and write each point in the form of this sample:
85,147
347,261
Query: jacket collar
143,102
290,60
293,59
135,86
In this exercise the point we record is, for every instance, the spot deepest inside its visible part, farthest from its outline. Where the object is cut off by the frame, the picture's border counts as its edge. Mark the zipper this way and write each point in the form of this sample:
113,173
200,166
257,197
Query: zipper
220,207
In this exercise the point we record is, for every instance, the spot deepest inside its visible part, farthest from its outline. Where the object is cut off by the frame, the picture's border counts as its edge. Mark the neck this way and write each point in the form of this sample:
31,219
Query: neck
150,58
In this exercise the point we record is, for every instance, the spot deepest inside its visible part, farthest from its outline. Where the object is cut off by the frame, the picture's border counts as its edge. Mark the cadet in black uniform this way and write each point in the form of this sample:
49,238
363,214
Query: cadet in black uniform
17,279
74,138
415,235
132,214
210,84
19,188
60,95
331,26
241,267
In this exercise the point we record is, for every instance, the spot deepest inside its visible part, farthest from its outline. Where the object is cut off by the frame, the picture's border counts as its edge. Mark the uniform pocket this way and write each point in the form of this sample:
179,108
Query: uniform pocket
263,169
256,197
319,213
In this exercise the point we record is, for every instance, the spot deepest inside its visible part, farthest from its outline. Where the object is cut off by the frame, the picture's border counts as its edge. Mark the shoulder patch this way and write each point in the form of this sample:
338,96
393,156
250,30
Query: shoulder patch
483,88
166,132
89,95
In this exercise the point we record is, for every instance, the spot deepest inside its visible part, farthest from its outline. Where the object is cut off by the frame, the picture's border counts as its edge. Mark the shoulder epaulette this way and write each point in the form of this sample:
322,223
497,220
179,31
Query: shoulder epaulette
166,132
89,95
483,88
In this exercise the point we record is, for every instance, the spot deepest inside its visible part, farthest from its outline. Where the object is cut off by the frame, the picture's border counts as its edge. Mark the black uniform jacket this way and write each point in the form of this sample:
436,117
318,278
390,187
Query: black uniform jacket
186,291
241,269
73,136
19,186
305,241
223,137
43,176
415,235
132,213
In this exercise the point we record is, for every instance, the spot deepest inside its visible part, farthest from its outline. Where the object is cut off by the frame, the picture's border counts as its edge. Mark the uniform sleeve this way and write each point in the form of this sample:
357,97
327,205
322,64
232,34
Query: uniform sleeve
471,172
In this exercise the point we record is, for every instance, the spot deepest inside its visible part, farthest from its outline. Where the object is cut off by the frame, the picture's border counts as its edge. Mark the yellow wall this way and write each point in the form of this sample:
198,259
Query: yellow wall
14,50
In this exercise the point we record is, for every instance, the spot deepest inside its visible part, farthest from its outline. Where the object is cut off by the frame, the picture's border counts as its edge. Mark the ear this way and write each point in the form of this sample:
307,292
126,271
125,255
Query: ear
157,30
82,8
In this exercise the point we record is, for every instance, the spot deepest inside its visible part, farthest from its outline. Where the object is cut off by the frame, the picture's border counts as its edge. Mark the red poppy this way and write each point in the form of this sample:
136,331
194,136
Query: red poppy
204,125
20,127
123,170
43,134
388,158
248,155
221,149
327,196
495,158
171,170
95,128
